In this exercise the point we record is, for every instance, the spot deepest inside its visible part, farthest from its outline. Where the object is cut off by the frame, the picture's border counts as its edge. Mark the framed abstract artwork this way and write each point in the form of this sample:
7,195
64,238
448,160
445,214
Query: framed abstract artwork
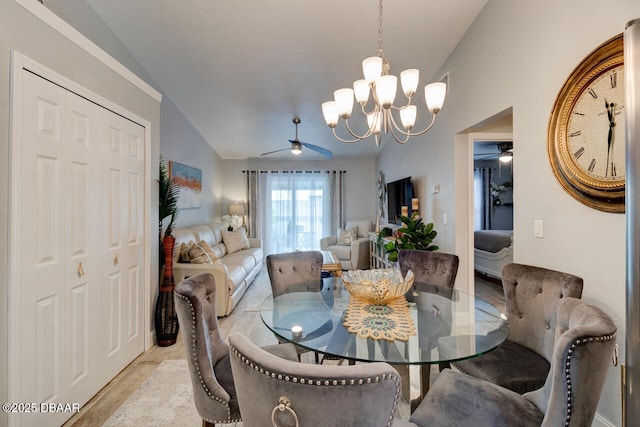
189,181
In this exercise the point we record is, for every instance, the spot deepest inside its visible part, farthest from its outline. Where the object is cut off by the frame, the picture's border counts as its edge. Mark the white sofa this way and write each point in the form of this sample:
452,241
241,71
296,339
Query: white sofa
233,273
355,256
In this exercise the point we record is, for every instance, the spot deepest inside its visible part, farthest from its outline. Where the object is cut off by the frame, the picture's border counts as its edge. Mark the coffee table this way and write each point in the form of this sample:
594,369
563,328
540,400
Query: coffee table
331,264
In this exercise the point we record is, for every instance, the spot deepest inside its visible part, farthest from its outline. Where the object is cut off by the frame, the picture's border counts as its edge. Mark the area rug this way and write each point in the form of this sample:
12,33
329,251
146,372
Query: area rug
165,398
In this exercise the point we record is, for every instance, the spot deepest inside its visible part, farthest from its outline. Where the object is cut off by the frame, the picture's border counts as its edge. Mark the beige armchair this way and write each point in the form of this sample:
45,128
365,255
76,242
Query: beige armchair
353,256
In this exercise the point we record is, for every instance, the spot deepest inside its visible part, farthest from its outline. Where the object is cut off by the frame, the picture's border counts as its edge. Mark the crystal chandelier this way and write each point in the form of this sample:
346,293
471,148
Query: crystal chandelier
383,86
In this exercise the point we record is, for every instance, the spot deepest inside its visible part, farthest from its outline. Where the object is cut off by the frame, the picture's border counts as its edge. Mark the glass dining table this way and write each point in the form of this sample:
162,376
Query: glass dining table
448,325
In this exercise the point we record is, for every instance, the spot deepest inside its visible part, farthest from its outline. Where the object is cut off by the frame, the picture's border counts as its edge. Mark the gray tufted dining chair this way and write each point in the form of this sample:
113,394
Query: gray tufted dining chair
207,354
299,271
273,390
521,363
582,347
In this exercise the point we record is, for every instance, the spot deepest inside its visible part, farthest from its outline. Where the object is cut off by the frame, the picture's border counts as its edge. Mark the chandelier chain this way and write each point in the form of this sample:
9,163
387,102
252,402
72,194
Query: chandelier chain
380,52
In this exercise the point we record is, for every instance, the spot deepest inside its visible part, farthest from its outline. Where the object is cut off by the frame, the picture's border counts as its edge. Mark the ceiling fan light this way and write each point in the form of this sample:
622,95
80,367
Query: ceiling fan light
372,68
409,81
344,101
506,157
386,87
408,116
434,95
296,148
361,91
330,113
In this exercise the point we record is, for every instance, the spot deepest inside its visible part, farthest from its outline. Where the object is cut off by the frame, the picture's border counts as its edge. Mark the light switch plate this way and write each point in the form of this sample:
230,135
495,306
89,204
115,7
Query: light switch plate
538,228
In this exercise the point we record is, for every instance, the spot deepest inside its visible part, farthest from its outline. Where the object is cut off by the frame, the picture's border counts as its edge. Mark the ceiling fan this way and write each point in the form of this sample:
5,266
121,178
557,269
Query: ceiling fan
504,152
296,145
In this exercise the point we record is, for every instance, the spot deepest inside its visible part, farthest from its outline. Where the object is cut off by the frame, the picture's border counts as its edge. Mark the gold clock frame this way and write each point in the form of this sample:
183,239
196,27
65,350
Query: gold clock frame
607,196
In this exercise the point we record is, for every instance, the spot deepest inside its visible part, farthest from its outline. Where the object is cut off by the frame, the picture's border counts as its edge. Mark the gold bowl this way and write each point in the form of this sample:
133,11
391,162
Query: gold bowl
378,286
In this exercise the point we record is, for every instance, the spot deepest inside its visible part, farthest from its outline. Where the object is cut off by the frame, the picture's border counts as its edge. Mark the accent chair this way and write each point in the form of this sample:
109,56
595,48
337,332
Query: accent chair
582,347
275,391
521,363
207,354
351,249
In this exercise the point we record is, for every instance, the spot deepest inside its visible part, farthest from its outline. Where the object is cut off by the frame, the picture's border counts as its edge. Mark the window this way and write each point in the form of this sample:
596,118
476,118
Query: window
296,210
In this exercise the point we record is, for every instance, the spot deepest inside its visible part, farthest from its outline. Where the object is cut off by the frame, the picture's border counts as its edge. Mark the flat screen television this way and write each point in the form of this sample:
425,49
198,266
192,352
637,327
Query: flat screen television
399,193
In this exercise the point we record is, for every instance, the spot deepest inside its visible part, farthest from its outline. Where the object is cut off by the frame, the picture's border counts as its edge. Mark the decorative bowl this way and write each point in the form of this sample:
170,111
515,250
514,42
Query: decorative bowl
378,286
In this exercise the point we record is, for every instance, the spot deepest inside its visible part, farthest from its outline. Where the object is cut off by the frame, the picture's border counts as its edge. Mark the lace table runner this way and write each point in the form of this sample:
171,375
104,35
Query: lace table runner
380,322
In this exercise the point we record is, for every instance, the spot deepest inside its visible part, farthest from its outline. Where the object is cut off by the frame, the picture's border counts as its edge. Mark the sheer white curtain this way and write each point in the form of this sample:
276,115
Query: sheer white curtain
294,210
478,199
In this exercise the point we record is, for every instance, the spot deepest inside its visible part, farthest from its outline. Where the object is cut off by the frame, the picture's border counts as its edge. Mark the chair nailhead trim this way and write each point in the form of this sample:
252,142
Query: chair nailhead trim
197,367
326,382
567,371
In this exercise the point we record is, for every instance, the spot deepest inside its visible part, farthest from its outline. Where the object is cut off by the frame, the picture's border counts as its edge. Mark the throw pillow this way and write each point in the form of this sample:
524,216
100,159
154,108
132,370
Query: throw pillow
235,240
184,252
346,237
197,255
204,245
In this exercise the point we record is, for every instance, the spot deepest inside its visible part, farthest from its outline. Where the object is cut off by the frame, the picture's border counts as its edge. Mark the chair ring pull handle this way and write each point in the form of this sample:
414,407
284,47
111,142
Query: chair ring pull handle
615,356
284,404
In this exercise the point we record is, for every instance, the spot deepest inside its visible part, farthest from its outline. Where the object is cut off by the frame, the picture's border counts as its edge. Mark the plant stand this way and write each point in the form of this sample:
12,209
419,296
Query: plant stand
166,318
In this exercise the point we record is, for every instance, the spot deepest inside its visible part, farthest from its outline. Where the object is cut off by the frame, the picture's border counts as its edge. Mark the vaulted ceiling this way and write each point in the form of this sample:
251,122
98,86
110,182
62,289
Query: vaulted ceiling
241,70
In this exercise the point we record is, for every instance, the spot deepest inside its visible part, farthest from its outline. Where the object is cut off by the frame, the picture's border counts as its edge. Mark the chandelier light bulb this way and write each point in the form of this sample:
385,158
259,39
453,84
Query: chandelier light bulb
381,113
361,91
386,87
372,68
408,116
434,95
409,81
344,102
374,120
330,113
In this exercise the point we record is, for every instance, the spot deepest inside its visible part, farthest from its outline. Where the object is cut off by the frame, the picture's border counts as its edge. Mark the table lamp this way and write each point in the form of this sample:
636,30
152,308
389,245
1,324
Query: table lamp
237,208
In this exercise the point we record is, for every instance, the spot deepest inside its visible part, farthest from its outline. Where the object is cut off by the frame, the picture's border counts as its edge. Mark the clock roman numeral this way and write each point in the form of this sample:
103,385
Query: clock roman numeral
613,169
614,80
578,113
593,93
579,153
576,133
592,165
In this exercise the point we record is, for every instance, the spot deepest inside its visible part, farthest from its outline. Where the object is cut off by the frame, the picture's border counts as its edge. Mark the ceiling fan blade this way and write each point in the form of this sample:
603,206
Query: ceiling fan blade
328,154
277,151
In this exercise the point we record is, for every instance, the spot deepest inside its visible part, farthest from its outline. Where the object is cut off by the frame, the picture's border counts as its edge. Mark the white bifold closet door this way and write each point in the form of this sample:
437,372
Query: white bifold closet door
78,298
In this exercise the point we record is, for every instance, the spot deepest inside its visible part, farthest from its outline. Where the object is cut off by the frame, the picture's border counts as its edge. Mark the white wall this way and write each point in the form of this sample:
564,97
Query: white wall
518,54
180,142
360,180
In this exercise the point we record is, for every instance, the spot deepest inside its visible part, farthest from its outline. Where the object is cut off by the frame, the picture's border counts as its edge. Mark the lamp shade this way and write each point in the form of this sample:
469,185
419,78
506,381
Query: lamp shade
330,113
409,81
344,101
372,68
361,91
386,87
434,94
237,208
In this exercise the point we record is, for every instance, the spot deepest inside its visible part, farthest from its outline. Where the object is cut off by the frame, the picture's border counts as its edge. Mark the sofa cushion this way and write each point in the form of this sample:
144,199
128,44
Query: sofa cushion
341,252
240,258
363,226
235,240
205,233
220,250
347,236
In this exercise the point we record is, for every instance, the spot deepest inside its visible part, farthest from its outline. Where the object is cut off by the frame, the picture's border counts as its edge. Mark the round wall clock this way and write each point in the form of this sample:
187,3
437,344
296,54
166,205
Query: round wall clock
585,139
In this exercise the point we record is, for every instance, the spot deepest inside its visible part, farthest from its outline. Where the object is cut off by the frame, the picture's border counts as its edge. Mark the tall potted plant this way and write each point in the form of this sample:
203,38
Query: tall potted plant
166,318
414,234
